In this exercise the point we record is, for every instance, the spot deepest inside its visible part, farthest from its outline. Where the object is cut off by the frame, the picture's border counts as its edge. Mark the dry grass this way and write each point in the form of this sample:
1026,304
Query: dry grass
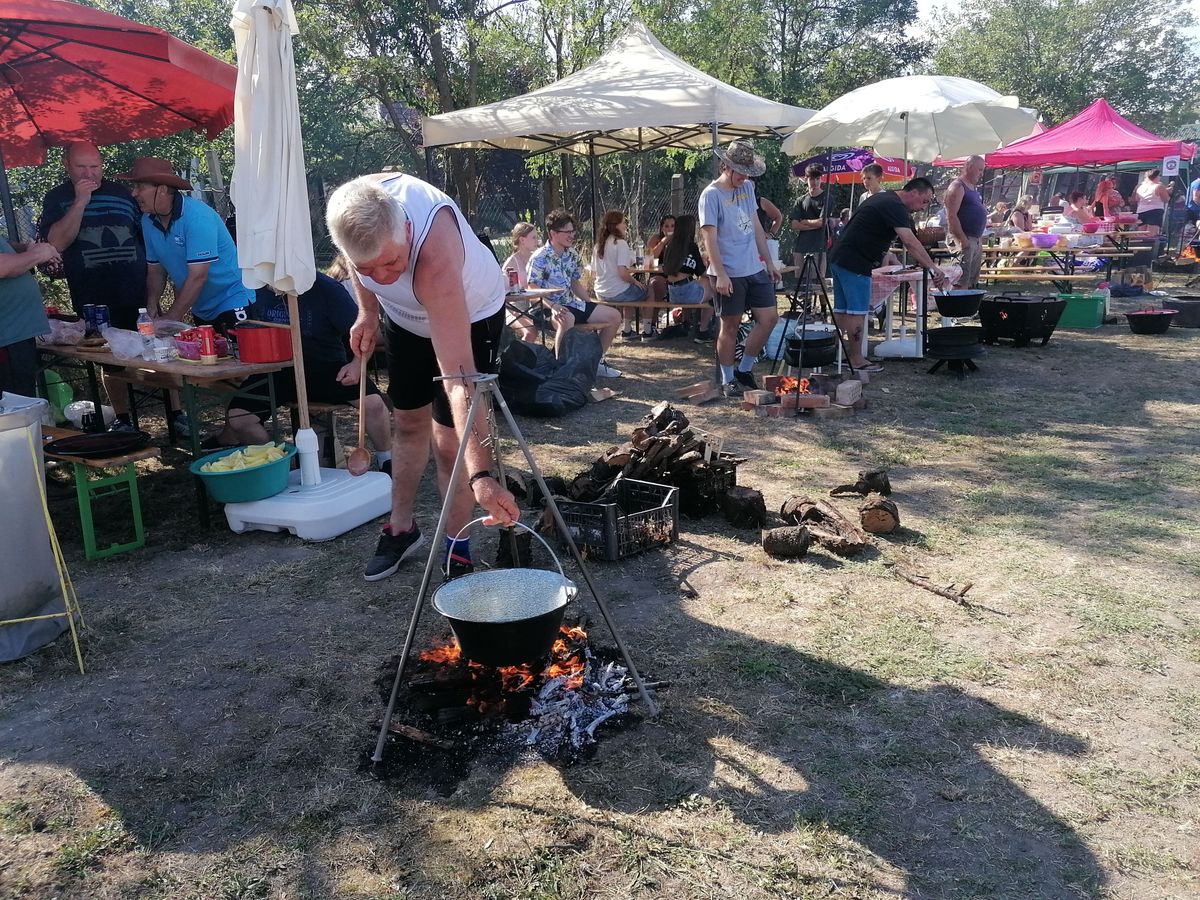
831,730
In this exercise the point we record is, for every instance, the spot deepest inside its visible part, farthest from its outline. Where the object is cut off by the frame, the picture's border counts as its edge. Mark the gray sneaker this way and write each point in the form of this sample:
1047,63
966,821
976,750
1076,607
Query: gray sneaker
733,390
183,426
121,423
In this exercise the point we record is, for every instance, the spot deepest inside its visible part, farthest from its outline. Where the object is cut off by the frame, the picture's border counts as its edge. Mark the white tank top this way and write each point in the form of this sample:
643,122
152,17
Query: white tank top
483,282
1147,197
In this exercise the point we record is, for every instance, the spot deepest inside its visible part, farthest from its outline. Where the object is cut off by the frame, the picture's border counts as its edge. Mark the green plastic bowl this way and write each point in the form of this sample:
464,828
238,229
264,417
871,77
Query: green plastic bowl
244,485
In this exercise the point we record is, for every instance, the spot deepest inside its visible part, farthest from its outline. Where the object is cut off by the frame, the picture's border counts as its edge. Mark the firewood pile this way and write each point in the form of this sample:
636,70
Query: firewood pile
665,449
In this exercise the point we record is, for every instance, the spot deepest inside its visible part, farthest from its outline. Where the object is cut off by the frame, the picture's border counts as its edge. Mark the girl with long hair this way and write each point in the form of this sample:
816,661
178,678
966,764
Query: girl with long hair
524,241
612,264
683,267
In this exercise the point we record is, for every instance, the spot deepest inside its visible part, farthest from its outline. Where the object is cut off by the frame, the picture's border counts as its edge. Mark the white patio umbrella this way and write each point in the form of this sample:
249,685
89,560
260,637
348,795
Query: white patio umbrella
269,189
917,117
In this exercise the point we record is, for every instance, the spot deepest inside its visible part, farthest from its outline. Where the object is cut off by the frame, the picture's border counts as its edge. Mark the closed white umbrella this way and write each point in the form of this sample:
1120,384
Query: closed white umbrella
269,189
919,117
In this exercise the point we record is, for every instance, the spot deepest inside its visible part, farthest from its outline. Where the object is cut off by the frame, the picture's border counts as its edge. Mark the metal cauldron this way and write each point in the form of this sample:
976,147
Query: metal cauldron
506,617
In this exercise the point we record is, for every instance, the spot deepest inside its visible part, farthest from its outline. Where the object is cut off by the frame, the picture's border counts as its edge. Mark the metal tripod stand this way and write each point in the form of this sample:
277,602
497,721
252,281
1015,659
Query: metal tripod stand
488,398
809,274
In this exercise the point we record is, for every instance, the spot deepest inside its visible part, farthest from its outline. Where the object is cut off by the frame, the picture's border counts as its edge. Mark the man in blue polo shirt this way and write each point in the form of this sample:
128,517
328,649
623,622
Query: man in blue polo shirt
188,242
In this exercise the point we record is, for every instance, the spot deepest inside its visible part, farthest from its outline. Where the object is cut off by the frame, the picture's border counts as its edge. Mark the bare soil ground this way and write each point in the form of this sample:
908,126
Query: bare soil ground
830,730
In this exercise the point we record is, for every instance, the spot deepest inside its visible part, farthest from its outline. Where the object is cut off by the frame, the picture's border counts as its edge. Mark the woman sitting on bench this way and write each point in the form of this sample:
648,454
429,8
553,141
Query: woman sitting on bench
683,267
331,374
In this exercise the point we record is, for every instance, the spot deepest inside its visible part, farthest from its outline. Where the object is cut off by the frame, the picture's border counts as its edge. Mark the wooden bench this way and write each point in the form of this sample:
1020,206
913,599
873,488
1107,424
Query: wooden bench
88,488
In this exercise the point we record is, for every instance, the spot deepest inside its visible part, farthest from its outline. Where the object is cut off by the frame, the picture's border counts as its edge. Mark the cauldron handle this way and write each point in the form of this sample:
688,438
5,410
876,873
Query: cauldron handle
553,555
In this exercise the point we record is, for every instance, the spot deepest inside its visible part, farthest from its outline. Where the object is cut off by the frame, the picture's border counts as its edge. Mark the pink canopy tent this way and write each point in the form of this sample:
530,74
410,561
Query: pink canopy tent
961,161
1097,136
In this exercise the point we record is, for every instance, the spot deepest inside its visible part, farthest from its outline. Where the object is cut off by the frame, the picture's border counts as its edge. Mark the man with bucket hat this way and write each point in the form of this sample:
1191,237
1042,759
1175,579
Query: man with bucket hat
187,242
739,261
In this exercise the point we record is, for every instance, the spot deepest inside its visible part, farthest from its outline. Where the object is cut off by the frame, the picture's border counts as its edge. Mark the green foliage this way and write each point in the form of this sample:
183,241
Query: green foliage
1060,55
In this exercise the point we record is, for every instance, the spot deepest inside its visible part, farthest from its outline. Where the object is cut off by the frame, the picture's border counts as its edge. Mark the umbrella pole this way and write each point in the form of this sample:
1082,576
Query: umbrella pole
10,219
595,201
306,438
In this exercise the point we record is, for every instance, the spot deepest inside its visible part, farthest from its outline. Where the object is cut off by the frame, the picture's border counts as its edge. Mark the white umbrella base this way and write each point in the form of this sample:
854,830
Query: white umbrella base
318,512
898,348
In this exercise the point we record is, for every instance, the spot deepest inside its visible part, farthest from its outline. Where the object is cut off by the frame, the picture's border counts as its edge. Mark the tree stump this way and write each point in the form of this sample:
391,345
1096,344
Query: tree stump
744,508
873,482
826,525
879,515
504,554
790,542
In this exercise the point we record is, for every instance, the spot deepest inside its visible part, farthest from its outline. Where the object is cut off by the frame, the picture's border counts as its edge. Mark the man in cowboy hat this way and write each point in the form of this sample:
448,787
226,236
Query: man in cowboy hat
187,242
96,226
737,247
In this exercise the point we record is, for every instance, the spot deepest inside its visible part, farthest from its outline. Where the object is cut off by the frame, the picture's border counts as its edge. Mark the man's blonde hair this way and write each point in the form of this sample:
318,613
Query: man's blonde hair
361,216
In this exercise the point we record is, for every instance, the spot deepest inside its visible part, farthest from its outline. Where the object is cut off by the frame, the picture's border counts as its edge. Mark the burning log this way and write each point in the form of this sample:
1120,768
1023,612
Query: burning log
744,507
873,482
826,525
879,515
790,542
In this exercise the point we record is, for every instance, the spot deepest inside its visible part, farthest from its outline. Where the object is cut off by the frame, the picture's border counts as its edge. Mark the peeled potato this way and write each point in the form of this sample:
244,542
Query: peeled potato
246,458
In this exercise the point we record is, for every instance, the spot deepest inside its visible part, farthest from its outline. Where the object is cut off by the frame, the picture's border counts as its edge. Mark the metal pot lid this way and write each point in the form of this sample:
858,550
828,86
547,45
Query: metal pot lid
503,595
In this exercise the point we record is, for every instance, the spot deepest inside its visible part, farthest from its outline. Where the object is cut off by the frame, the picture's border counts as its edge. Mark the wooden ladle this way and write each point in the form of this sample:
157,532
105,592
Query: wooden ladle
359,460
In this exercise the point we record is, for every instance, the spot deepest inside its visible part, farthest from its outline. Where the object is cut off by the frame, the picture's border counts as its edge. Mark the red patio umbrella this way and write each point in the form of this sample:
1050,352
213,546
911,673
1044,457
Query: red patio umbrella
71,73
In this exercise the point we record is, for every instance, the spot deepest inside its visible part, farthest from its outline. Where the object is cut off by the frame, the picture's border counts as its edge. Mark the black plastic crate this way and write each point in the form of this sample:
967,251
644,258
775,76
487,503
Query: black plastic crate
638,515
701,489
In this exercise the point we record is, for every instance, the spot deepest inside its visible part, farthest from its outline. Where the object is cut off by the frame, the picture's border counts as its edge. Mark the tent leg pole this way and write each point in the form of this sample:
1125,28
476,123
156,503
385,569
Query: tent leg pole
595,197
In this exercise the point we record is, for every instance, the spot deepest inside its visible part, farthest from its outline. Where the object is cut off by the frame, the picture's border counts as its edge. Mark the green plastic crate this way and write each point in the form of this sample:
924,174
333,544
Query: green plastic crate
1083,311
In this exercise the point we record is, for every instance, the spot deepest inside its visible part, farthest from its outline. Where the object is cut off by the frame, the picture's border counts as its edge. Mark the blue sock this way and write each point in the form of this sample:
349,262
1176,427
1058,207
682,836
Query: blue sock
746,364
726,373
461,549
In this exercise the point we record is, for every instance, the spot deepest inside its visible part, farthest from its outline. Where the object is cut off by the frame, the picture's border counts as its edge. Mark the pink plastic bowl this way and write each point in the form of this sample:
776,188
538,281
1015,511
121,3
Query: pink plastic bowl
1090,227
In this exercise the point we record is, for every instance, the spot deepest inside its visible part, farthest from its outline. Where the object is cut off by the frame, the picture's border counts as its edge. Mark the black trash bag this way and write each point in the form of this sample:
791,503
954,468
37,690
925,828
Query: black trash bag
535,383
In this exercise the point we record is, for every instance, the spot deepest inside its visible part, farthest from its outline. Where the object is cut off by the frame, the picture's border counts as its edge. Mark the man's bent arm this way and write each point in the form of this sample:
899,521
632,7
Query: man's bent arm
187,295
438,286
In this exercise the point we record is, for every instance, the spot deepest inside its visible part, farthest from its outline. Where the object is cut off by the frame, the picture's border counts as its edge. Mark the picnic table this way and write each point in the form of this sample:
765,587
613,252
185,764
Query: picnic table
226,379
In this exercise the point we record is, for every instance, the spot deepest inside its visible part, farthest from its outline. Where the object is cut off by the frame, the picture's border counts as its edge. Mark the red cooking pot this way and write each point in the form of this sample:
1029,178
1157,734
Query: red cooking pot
263,343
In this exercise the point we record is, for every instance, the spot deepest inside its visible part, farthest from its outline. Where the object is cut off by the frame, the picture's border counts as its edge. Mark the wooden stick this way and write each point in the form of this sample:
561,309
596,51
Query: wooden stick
959,596
421,737
267,324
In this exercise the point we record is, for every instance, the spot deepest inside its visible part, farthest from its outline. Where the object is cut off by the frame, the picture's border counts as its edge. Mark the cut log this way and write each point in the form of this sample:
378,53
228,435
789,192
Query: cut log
504,549
879,515
826,524
873,482
744,508
790,542
557,486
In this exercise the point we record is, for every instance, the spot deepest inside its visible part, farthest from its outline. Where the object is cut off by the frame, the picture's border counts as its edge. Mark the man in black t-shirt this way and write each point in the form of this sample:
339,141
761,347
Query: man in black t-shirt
879,220
96,225
809,220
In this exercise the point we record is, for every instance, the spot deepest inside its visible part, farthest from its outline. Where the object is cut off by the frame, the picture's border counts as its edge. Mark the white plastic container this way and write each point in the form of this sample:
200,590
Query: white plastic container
318,512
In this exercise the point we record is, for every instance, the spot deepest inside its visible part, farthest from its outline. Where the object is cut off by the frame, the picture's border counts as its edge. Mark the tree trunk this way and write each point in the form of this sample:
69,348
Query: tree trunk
879,515
786,543
744,508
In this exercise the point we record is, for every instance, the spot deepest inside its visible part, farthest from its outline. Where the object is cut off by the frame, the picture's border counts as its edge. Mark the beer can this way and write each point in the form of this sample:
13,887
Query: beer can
89,318
513,280
208,345
102,319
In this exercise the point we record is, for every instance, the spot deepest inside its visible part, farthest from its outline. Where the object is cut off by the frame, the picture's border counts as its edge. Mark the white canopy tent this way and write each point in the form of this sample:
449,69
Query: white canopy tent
638,96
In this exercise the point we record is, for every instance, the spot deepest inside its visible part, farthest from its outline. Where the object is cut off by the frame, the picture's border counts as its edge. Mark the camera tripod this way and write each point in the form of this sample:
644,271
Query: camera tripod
487,397
802,307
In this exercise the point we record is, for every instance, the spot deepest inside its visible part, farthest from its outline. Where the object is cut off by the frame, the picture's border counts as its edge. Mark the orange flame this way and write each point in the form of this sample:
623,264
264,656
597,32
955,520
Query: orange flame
567,657
788,385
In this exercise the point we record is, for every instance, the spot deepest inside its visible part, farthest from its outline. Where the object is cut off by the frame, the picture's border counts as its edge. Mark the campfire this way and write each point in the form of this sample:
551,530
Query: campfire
554,708
789,385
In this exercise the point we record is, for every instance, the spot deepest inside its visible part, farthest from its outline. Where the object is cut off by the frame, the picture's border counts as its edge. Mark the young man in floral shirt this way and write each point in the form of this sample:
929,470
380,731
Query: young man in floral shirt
556,265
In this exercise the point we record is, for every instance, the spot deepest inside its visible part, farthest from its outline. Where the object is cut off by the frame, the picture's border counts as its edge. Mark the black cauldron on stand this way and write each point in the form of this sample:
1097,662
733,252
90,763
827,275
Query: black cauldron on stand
955,346
1020,318
958,304
811,346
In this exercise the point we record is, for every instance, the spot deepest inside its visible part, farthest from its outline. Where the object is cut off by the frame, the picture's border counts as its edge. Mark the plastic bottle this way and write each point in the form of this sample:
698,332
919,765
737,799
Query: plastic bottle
1105,291
145,327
